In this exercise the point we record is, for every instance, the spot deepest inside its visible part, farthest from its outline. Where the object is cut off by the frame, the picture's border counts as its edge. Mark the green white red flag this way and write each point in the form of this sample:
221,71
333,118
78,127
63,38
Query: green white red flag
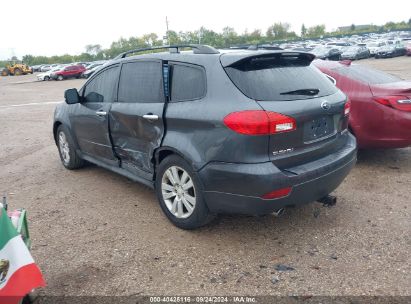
18,273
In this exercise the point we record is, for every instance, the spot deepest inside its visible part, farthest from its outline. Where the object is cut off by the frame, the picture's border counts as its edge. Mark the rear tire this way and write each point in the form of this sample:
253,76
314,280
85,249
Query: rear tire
5,72
180,194
46,78
67,149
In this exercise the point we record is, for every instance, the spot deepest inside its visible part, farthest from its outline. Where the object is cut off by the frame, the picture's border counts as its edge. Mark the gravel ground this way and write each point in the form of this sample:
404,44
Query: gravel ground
97,233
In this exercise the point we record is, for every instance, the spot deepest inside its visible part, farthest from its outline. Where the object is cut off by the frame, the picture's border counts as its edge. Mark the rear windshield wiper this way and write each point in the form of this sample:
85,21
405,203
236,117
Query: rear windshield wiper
309,92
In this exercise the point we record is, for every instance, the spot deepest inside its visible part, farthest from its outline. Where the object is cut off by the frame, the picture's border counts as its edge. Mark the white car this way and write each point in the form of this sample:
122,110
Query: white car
46,75
375,46
48,67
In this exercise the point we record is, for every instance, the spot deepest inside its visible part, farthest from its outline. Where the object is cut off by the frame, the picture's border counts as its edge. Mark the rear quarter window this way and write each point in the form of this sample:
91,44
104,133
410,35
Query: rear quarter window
188,82
268,78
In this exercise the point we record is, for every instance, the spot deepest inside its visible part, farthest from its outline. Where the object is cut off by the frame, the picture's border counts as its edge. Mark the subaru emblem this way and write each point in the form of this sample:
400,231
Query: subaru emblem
325,105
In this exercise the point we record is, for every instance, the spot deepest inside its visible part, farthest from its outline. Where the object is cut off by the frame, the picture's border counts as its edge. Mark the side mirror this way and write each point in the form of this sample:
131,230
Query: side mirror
71,96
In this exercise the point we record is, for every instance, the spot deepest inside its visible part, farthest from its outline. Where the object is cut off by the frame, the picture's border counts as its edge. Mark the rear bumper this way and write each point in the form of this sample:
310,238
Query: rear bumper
382,127
237,188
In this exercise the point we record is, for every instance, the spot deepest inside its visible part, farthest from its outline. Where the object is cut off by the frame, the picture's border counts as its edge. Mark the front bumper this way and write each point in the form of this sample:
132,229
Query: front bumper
237,188
384,55
348,57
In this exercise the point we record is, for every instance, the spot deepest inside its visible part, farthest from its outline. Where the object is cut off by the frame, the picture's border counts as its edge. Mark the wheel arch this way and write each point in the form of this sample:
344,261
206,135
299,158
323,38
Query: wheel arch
59,123
162,152
56,125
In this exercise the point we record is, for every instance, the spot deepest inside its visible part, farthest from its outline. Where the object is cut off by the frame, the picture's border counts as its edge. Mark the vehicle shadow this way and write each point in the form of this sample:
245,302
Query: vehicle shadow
391,158
264,230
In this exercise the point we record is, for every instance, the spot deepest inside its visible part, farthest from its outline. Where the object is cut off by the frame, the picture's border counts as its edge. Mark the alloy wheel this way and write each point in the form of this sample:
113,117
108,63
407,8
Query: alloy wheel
178,192
64,148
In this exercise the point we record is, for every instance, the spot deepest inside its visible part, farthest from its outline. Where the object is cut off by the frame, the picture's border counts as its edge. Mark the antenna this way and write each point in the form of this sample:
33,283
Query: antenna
166,36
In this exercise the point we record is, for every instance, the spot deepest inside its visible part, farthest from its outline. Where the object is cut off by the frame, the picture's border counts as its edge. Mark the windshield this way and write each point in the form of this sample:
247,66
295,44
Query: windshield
278,79
351,49
366,74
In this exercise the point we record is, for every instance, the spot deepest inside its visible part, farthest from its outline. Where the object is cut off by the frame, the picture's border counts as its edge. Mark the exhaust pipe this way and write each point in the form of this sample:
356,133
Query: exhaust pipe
328,200
279,212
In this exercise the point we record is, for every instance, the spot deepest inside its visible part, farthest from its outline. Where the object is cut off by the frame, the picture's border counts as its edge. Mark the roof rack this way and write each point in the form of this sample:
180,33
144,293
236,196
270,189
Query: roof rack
197,49
256,47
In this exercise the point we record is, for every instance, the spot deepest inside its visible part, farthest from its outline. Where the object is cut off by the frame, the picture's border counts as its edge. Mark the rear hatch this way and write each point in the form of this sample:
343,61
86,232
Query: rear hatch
394,88
286,83
396,94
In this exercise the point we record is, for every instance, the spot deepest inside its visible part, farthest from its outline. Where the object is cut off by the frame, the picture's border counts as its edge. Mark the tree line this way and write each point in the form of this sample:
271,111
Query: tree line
276,33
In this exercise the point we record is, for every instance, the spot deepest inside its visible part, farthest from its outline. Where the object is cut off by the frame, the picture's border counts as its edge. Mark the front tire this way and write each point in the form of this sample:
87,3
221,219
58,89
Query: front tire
180,195
67,149
18,72
60,77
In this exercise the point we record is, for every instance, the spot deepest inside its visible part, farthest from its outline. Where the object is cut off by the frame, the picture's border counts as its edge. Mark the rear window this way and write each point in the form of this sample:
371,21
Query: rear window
271,78
366,74
188,82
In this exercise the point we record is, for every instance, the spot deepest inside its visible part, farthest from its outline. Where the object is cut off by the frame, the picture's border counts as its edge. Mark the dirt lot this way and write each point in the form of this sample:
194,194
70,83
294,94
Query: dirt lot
95,232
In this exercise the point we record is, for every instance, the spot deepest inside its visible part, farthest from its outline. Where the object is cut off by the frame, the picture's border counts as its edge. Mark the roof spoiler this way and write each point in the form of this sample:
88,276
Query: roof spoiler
237,58
197,49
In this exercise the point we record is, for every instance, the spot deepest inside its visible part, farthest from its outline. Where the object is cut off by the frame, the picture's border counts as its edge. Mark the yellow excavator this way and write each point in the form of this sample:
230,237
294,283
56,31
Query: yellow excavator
16,69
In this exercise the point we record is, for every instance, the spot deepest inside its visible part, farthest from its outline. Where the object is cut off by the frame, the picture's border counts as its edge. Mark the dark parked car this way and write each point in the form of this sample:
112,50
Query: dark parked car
213,132
380,104
327,53
71,71
355,53
36,68
390,51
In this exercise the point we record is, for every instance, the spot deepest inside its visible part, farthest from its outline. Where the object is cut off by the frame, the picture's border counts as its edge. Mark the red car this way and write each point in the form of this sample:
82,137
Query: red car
408,49
71,71
380,114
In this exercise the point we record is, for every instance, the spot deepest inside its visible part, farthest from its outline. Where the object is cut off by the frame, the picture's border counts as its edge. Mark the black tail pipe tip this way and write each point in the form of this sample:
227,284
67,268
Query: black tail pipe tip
328,200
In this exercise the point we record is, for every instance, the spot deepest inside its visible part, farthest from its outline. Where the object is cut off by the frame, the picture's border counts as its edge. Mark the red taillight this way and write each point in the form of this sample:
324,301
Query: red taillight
402,103
347,107
259,122
277,193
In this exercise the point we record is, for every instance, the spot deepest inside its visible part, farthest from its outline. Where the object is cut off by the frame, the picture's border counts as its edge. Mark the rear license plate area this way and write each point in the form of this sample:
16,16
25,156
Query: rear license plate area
318,129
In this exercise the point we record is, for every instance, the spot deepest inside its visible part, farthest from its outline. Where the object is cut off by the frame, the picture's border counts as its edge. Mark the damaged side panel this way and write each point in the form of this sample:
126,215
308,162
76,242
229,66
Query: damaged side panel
136,119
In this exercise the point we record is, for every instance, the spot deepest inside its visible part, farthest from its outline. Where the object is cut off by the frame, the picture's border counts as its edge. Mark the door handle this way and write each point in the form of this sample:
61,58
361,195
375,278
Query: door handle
101,113
150,117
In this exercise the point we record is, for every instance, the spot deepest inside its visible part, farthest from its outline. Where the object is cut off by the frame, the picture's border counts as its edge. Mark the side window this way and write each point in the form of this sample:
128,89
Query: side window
141,81
102,87
188,82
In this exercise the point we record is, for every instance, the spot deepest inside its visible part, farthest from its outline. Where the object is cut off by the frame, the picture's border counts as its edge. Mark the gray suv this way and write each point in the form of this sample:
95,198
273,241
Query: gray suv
236,131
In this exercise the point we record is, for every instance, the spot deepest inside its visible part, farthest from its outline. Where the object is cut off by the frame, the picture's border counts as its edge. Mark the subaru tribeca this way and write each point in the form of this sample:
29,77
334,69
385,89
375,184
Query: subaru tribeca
247,132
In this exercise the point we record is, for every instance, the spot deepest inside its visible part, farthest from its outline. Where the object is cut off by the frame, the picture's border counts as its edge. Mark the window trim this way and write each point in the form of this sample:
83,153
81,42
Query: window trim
191,65
333,80
83,88
140,60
